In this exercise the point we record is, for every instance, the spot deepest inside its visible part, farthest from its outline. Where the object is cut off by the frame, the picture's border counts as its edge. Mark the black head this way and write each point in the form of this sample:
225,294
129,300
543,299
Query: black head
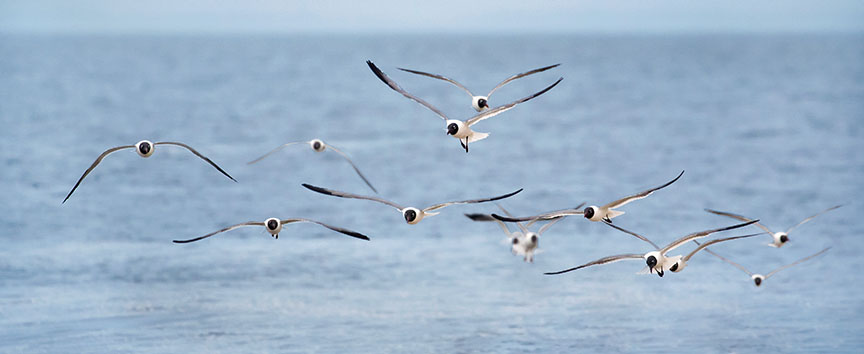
272,224
144,148
452,129
410,215
674,267
758,281
515,241
316,145
651,261
533,238
589,213
784,239
482,103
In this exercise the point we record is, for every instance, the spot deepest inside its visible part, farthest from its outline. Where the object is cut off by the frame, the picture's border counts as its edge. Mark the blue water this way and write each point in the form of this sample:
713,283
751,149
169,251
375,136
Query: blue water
767,126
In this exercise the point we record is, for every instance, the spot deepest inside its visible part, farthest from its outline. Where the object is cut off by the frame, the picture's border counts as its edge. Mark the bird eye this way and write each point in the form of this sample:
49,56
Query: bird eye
272,224
588,213
651,261
452,128
784,238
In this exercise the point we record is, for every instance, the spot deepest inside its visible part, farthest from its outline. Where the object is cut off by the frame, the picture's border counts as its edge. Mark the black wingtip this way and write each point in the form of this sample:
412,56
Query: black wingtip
181,241
504,218
316,189
479,217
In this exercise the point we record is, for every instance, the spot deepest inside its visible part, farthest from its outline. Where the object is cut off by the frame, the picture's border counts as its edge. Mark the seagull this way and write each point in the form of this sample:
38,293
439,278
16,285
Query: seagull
144,149
594,213
480,103
457,128
759,278
678,263
523,243
274,225
412,215
780,237
657,260
318,145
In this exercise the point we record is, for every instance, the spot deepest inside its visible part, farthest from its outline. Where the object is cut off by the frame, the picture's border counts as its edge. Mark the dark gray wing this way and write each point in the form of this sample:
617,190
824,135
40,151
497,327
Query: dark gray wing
336,193
796,262
439,77
471,201
352,165
503,108
621,202
709,243
604,260
275,150
396,88
93,165
331,227
545,216
643,238
738,217
197,154
675,244
229,228
514,77
811,217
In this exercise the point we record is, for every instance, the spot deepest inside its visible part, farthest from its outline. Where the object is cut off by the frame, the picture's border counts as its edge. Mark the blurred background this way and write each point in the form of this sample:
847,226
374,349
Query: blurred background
761,103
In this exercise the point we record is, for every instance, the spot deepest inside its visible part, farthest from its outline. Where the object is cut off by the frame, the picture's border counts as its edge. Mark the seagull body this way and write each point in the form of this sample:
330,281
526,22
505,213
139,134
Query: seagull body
274,226
593,213
778,238
318,145
657,260
759,278
480,103
524,243
457,128
145,149
412,215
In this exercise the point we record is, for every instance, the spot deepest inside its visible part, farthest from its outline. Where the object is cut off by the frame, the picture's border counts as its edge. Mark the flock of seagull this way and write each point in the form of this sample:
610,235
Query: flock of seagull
523,242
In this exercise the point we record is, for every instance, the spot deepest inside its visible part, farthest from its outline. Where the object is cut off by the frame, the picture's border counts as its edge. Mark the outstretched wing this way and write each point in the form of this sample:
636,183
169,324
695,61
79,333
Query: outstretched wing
604,260
93,165
709,243
229,228
197,154
675,244
547,226
331,227
796,262
643,238
621,202
352,165
738,217
439,77
274,150
503,108
336,193
514,77
396,88
471,201
727,260
545,216
811,218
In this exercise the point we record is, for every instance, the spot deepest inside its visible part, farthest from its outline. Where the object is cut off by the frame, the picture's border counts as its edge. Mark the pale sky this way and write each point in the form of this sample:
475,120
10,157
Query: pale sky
447,16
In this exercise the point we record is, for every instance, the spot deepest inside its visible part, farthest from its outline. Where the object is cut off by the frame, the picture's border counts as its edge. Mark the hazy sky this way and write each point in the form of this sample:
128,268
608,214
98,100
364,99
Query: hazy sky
460,16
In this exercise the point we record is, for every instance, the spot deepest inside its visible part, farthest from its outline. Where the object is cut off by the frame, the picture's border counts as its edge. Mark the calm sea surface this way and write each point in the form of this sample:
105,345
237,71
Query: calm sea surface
767,126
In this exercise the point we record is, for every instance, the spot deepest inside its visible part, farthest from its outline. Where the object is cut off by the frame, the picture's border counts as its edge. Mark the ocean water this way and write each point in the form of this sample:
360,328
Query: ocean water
768,126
